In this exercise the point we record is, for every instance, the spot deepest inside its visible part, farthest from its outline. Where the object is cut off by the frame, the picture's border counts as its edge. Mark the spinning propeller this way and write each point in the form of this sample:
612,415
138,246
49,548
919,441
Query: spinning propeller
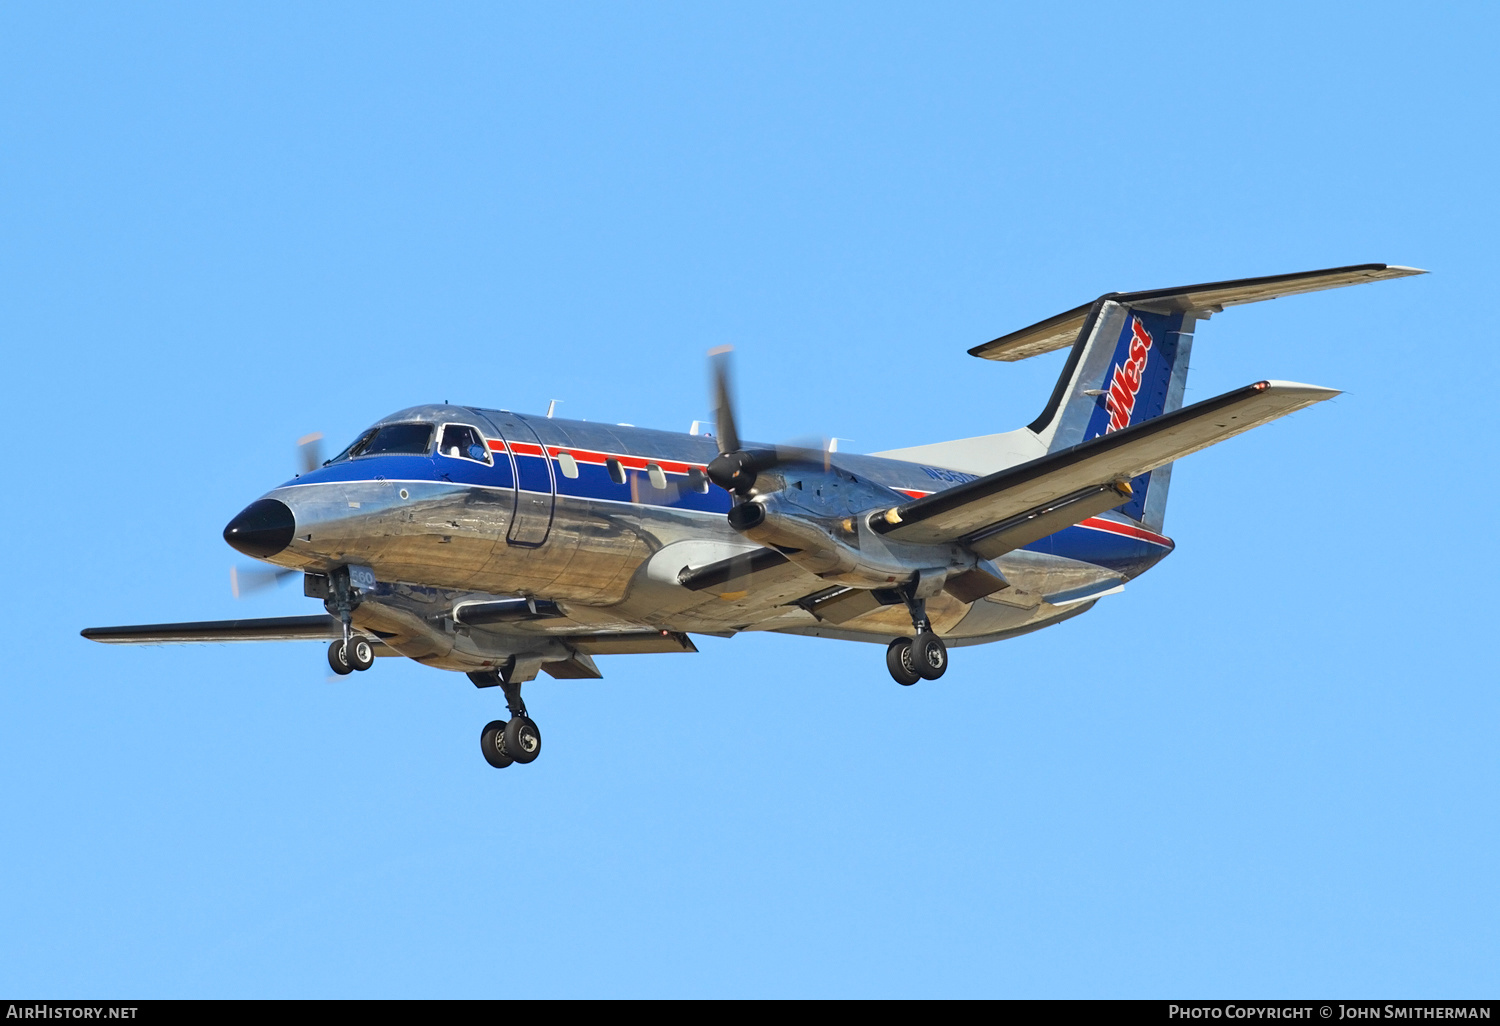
735,469
248,580
310,451
251,579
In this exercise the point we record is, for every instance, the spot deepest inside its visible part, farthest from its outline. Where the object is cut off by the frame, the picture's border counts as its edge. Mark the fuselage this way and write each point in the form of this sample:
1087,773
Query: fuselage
452,504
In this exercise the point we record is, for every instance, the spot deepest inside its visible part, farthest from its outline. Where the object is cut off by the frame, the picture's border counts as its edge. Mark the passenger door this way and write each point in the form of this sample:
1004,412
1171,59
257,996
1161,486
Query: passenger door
536,488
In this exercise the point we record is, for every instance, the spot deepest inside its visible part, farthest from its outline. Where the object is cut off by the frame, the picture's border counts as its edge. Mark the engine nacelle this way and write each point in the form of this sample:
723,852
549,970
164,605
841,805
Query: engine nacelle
845,551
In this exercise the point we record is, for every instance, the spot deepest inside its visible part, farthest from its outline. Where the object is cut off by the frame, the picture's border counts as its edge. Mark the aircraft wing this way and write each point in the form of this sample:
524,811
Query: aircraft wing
321,627
1070,485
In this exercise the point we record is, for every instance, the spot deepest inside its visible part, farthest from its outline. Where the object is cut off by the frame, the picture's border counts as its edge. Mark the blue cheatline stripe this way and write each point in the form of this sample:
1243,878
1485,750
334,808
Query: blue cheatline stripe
593,481
1126,555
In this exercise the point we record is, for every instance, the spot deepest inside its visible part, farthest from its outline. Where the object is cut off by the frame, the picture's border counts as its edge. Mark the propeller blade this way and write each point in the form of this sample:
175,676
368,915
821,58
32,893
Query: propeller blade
806,450
249,580
735,468
725,433
310,451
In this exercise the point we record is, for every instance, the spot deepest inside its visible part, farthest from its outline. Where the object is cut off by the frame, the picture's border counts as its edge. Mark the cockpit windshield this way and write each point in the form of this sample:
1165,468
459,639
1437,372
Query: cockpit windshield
413,439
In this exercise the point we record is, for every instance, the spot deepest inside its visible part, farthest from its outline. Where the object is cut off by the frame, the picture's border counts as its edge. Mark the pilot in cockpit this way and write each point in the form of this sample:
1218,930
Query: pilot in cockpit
462,442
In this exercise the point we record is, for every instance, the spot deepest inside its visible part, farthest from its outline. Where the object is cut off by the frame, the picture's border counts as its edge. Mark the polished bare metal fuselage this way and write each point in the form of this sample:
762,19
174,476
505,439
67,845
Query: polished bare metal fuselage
439,537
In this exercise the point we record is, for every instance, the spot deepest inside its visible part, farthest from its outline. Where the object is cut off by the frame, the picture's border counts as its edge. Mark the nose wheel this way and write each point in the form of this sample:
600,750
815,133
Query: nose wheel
345,657
350,652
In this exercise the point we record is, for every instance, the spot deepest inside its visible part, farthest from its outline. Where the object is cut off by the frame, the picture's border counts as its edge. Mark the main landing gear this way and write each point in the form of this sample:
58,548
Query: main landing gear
503,742
348,656
923,657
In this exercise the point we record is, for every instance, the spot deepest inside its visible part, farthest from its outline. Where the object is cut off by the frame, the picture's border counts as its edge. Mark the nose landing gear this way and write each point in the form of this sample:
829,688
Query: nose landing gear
347,656
350,652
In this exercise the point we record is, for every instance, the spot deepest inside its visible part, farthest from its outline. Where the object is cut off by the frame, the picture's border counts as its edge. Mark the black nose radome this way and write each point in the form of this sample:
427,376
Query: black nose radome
262,529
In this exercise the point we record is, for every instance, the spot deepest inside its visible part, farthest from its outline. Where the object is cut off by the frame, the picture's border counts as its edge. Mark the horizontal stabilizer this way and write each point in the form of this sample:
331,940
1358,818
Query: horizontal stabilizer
321,627
1097,590
1209,298
1078,478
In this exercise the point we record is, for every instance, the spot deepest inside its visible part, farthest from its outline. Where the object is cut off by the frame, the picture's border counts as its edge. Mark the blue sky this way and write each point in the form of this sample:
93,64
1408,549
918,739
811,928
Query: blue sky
1267,768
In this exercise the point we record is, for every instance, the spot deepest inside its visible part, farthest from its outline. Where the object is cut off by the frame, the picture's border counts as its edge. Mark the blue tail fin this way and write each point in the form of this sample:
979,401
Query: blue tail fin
1144,379
1127,365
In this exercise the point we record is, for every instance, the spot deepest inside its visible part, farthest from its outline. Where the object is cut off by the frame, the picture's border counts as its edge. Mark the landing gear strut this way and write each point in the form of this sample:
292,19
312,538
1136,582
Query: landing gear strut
350,652
517,740
919,658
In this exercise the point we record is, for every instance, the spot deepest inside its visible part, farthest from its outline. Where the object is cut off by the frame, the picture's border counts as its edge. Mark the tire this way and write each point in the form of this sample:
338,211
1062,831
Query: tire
359,654
901,661
523,741
492,744
336,660
930,656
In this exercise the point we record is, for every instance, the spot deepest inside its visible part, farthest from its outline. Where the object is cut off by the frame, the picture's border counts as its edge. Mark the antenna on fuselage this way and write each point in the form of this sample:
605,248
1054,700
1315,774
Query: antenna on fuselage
552,407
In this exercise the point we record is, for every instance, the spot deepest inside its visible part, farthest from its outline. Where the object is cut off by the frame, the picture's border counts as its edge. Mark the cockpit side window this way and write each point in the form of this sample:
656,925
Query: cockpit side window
412,439
463,442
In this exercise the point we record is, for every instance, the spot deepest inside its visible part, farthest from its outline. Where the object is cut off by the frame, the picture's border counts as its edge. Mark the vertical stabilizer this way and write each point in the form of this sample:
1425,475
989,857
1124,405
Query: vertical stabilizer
1129,358
1127,365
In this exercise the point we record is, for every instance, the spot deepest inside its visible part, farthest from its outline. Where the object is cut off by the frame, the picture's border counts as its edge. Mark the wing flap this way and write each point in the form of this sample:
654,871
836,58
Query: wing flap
1002,500
1036,524
629,642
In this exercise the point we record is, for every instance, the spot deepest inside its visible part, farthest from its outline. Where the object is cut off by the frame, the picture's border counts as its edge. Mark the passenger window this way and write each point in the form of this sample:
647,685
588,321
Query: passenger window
697,480
658,477
616,471
397,438
464,443
567,464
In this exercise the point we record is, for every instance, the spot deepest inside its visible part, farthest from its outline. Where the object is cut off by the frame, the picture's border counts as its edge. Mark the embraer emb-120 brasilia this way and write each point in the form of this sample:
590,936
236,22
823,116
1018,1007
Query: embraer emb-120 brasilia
503,545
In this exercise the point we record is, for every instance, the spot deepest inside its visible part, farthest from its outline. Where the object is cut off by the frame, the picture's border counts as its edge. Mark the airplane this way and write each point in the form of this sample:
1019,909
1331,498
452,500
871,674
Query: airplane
504,545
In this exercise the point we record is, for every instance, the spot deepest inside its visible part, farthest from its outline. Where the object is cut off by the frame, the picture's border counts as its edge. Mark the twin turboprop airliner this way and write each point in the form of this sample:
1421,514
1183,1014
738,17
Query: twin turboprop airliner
503,545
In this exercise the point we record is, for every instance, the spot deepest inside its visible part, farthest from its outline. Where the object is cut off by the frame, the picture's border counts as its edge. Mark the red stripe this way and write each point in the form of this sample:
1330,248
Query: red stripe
595,458
1128,531
674,467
